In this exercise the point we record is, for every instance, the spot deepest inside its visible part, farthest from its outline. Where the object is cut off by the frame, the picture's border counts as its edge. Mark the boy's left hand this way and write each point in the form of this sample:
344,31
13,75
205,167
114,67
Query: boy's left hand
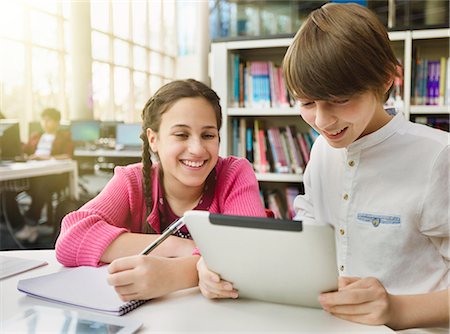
362,300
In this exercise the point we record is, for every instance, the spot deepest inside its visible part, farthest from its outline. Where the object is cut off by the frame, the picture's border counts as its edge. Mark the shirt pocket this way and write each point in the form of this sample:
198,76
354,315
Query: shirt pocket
376,220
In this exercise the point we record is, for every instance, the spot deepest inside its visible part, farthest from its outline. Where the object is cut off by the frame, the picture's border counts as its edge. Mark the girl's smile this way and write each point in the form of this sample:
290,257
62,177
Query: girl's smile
187,144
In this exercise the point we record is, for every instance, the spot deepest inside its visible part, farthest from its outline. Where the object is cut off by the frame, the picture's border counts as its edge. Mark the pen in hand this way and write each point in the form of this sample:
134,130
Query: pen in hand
168,232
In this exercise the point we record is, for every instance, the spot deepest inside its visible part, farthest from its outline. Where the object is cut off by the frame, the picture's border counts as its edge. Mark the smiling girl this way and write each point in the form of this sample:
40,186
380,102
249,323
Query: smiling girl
181,124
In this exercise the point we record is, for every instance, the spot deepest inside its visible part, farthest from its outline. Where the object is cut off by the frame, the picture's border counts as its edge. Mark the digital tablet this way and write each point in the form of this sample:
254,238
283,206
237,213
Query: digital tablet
281,261
42,319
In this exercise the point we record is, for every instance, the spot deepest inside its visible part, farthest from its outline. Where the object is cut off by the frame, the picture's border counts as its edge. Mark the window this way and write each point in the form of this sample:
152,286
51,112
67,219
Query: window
133,51
33,71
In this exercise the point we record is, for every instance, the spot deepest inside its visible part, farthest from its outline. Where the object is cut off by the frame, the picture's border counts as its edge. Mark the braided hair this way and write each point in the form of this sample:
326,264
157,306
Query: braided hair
153,110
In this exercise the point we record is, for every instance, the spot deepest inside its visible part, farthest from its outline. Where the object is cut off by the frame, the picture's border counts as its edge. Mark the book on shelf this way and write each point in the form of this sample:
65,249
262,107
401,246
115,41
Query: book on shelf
431,81
440,122
281,201
258,84
271,149
291,194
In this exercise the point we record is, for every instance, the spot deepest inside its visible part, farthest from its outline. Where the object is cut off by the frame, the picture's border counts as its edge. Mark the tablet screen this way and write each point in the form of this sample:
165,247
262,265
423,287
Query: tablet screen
39,319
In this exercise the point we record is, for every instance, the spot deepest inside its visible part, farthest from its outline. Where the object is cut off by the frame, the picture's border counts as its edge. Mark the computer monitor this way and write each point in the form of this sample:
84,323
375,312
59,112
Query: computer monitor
128,135
10,144
108,129
85,132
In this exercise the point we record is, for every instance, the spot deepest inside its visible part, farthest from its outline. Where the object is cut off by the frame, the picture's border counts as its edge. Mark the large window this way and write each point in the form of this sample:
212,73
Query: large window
133,51
33,58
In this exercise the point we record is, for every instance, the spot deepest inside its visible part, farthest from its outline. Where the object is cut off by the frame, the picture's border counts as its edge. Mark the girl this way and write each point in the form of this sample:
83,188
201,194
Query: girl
380,180
181,124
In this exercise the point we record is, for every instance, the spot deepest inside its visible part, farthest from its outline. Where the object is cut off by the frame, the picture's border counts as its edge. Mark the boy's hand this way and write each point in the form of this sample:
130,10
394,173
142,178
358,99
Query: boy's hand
211,285
362,300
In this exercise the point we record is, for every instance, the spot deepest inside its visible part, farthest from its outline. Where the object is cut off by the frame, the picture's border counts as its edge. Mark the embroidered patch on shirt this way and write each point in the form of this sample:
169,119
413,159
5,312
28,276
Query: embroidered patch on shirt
377,220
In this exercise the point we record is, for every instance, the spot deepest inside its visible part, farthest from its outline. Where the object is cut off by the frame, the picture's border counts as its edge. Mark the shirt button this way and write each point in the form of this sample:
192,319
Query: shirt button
341,268
341,231
346,196
351,163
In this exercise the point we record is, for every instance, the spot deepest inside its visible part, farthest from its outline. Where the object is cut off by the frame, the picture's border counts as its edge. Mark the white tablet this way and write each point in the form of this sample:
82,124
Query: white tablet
275,260
42,319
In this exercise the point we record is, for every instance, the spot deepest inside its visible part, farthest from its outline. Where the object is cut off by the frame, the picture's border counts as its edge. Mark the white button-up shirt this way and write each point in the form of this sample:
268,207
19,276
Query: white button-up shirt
387,196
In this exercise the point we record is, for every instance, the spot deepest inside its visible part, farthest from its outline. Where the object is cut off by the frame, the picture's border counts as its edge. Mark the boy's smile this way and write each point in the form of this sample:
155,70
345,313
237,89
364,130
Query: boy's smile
344,121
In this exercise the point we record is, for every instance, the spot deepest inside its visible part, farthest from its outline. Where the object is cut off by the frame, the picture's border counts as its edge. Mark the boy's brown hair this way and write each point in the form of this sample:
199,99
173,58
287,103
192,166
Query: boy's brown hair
340,50
51,113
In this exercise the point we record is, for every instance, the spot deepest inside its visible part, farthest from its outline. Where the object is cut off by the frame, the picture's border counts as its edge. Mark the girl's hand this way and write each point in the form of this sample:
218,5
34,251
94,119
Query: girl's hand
359,300
211,285
141,276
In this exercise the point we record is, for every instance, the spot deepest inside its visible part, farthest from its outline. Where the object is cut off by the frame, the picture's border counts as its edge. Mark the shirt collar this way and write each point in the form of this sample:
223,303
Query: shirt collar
374,138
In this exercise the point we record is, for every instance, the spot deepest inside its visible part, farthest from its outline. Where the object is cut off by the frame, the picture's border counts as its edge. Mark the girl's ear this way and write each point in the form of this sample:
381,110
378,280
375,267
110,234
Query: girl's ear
152,137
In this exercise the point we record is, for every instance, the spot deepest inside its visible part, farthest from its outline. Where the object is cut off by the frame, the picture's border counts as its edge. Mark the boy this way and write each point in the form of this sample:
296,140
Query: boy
380,180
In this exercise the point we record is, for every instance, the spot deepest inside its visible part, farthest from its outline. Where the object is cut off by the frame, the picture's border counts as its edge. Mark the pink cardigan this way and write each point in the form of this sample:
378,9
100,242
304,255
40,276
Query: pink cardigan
119,208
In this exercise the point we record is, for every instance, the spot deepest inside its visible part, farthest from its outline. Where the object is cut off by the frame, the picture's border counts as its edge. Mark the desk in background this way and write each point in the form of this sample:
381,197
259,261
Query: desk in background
16,171
90,161
189,311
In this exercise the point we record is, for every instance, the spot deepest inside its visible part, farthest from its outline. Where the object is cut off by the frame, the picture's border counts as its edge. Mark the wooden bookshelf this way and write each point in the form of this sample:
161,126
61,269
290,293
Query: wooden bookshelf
408,45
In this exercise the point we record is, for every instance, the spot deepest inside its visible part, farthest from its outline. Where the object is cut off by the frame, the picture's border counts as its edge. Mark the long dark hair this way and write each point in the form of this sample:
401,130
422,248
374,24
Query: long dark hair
155,107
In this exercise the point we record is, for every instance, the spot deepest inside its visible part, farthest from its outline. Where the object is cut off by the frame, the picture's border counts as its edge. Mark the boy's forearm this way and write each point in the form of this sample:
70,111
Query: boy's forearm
424,310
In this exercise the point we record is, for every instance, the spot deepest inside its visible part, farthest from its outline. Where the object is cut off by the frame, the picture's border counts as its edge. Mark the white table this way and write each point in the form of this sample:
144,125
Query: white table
189,311
33,168
107,153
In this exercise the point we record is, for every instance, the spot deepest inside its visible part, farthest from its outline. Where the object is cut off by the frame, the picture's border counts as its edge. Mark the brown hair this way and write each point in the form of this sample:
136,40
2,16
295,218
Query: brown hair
340,50
155,107
52,113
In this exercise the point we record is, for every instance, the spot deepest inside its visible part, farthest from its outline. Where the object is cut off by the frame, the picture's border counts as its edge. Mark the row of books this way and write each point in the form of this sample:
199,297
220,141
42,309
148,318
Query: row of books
274,149
436,121
281,201
258,84
431,81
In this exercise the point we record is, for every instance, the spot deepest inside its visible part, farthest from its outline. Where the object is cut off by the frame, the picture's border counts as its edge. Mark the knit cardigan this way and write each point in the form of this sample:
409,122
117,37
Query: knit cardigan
120,208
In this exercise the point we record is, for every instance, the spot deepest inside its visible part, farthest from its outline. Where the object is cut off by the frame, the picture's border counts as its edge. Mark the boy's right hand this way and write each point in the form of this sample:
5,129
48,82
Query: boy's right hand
211,285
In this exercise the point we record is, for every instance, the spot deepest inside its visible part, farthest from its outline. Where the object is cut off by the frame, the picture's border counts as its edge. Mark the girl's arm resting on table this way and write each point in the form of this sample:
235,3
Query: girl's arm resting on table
367,301
149,276
127,244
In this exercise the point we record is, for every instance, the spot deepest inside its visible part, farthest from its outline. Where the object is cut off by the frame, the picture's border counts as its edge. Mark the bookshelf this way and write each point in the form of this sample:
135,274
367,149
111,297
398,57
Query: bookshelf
408,45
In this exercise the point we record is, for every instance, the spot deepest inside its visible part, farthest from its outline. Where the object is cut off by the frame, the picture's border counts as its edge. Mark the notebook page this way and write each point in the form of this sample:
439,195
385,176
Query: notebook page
85,287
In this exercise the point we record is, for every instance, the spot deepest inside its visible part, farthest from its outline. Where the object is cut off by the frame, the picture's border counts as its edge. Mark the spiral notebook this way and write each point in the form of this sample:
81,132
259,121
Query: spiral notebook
84,287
